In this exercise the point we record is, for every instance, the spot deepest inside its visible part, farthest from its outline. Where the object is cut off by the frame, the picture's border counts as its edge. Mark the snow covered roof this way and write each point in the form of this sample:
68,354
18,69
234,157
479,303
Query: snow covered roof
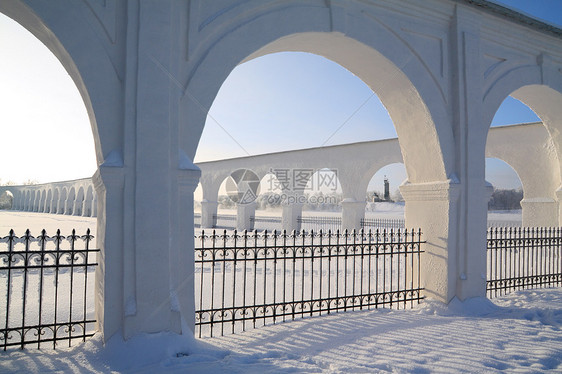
521,17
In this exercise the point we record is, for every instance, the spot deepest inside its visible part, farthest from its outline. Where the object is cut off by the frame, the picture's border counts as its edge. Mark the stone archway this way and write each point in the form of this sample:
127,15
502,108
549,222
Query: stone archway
404,84
148,72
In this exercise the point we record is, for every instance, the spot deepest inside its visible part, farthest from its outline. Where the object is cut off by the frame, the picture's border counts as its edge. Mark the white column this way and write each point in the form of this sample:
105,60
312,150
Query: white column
433,208
540,211
62,205
352,213
182,265
17,199
77,208
208,213
291,213
85,205
109,299
245,215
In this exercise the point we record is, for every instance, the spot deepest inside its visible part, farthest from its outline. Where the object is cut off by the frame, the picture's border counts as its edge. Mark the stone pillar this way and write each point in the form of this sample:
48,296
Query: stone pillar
85,208
559,198
488,191
457,209
433,208
68,207
16,202
245,216
77,208
182,259
36,201
62,205
352,213
290,218
539,212
208,213
109,298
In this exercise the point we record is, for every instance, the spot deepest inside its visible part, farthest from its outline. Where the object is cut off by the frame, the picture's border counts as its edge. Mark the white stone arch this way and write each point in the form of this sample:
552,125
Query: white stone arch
60,31
90,41
374,56
530,151
539,86
227,178
7,200
16,200
324,178
69,203
492,186
372,173
269,185
211,183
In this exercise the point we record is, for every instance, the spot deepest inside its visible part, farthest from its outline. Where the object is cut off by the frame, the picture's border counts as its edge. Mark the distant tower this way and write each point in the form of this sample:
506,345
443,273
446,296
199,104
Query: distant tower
386,189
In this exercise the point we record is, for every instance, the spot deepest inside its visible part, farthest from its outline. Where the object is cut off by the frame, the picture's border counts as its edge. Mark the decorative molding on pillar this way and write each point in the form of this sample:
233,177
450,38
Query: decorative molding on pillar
540,200
188,174
431,191
558,193
107,175
352,202
189,178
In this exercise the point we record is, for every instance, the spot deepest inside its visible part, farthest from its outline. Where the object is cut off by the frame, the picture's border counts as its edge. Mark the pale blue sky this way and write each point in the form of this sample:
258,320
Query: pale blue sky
274,103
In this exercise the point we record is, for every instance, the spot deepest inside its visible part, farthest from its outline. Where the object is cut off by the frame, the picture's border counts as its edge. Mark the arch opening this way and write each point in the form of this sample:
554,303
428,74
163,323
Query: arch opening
532,150
400,97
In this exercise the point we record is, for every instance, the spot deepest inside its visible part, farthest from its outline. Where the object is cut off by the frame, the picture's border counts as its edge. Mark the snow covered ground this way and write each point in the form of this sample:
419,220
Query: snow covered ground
520,332
377,210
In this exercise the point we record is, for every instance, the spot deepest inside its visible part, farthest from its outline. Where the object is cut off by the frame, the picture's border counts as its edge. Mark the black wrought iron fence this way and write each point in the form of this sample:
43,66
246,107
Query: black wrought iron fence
382,223
520,258
46,289
320,223
250,278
